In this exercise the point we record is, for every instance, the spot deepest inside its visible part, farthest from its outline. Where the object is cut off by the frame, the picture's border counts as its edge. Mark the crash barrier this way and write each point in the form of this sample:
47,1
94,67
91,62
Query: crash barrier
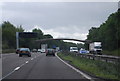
106,58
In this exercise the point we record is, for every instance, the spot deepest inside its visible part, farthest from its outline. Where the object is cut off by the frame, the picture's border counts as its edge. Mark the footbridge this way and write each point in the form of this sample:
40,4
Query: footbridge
84,41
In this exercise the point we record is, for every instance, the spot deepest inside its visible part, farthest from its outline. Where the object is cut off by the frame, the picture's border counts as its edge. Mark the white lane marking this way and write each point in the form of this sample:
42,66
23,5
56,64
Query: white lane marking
17,68
22,65
7,75
31,58
26,62
80,72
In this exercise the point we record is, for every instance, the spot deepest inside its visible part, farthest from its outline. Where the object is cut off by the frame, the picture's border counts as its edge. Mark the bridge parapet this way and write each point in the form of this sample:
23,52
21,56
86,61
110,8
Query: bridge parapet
85,41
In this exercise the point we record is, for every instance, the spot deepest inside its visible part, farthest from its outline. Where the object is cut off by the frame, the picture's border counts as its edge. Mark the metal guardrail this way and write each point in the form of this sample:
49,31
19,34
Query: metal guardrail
106,58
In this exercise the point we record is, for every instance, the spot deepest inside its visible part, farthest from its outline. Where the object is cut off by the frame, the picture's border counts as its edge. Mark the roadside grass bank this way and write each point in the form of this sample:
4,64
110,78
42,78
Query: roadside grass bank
114,52
8,51
98,68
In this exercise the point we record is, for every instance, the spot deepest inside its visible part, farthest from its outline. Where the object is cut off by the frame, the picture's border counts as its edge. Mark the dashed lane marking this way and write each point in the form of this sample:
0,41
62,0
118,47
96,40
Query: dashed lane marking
26,62
31,58
17,68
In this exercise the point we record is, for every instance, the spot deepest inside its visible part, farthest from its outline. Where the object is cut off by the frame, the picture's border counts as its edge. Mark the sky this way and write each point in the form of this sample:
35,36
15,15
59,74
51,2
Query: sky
60,19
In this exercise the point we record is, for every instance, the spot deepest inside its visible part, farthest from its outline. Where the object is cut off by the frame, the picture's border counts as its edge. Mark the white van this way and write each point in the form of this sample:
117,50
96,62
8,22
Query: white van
41,50
74,49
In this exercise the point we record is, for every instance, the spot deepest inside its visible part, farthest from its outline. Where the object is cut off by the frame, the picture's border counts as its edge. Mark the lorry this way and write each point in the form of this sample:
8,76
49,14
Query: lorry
43,48
95,48
74,49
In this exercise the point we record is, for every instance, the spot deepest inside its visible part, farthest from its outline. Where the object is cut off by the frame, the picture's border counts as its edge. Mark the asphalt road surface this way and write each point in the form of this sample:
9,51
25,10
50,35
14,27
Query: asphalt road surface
39,66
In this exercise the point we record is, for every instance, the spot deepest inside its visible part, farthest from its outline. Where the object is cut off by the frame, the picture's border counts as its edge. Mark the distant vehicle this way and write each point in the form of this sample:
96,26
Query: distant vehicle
24,51
95,48
50,52
74,49
39,50
17,51
43,50
57,49
34,50
83,51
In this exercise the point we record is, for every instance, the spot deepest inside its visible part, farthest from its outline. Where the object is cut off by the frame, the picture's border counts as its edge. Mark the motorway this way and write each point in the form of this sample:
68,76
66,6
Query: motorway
39,66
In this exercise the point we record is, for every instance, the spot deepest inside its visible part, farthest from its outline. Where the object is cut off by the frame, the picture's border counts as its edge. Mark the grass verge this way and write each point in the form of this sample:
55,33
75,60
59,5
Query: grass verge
97,68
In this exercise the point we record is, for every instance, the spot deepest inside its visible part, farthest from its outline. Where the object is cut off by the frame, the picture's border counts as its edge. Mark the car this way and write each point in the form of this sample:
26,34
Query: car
42,50
50,52
24,51
39,50
17,50
83,51
34,50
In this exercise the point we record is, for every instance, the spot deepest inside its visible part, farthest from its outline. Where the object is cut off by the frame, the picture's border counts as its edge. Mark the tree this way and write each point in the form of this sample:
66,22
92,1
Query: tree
40,33
9,35
107,33
48,36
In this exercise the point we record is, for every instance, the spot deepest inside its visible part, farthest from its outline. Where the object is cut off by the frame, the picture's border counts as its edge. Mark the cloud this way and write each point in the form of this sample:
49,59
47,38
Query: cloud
75,35
64,32
60,19
59,0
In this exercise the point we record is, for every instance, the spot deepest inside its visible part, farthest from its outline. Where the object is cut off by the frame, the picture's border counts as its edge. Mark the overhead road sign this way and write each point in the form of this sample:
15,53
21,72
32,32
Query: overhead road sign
28,34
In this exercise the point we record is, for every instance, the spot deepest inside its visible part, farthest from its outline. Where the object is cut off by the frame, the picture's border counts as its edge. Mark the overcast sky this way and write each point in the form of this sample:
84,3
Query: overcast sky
60,19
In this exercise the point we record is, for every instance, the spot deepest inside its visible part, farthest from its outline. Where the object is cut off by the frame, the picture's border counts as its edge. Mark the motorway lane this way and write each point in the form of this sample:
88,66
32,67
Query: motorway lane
40,67
11,61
